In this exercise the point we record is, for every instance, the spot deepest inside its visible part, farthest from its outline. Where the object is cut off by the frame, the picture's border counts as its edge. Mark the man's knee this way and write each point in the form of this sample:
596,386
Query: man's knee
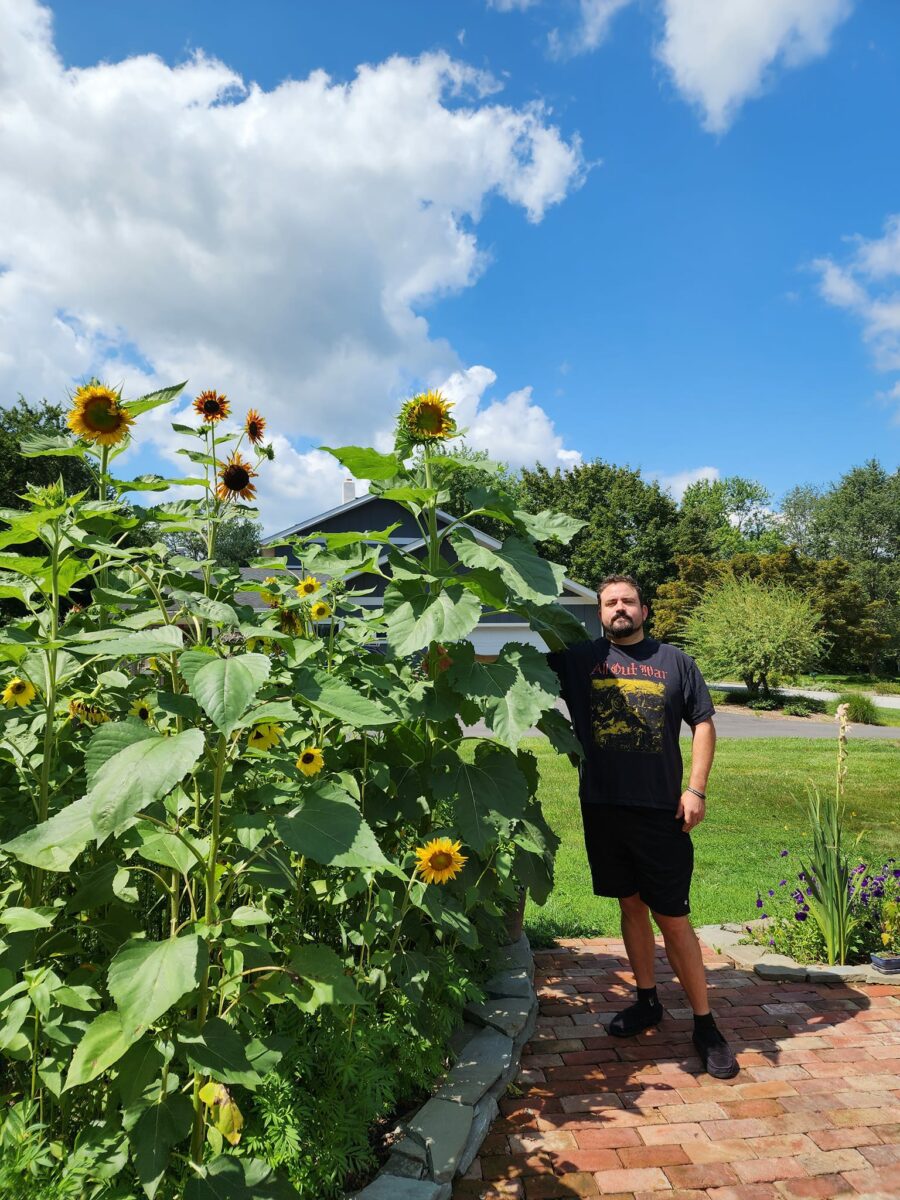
678,928
633,906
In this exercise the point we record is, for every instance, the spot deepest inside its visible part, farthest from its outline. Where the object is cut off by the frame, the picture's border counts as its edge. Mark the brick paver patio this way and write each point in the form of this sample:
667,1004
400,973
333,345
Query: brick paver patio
815,1111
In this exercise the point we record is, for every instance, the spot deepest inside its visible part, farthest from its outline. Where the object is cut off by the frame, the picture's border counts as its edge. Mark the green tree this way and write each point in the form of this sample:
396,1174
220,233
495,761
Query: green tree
474,469
237,541
727,516
22,420
754,630
631,523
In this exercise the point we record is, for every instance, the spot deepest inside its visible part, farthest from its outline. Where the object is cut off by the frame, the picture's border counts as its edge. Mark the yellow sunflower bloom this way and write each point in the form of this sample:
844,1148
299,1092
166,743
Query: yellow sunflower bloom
94,715
97,415
439,860
264,737
308,586
141,708
320,611
426,418
270,598
18,692
311,761
235,479
254,426
212,407
76,708
289,622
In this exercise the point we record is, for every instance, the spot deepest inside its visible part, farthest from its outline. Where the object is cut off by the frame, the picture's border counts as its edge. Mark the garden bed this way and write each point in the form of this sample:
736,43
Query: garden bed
729,940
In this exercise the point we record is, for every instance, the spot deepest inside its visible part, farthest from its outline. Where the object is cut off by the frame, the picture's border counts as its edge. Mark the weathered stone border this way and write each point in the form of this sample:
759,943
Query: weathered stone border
778,967
442,1139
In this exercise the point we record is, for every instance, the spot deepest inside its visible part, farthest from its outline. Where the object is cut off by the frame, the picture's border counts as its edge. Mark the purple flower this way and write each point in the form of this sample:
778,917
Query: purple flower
800,916
783,854
764,915
802,875
783,882
771,891
897,874
809,891
758,903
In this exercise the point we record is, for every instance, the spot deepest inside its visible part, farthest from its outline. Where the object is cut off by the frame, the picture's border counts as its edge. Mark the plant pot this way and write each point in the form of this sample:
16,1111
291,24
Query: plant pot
889,964
514,918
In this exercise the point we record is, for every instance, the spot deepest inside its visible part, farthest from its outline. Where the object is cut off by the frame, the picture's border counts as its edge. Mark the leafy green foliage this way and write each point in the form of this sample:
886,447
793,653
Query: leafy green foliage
860,709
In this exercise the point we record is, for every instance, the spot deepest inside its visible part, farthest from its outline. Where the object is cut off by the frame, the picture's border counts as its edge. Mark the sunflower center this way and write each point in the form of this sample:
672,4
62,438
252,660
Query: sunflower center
143,712
430,418
308,756
211,407
235,477
18,687
441,860
102,415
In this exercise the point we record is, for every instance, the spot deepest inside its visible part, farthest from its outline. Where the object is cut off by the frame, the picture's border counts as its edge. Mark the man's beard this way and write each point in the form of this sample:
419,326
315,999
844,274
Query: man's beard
621,626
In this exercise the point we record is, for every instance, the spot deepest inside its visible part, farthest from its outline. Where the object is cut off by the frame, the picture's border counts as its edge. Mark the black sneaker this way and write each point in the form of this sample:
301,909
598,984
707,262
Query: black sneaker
635,1019
716,1055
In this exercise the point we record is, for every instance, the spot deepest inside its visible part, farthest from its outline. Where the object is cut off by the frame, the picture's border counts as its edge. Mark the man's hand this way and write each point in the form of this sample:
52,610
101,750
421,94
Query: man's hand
691,809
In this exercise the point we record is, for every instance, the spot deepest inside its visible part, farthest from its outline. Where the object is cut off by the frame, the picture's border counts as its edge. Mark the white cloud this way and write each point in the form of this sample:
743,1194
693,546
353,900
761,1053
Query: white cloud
722,52
278,245
594,20
514,430
678,483
866,284
512,5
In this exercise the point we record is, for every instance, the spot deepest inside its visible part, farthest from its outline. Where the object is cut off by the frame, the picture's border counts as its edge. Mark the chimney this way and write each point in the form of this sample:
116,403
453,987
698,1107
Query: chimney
349,491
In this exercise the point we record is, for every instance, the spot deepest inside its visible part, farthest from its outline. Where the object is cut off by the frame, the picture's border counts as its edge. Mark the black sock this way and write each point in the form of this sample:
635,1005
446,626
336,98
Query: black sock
648,997
704,1023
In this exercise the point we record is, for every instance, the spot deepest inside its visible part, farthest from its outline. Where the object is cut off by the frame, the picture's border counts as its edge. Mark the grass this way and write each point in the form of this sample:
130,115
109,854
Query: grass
756,808
838,683
883,716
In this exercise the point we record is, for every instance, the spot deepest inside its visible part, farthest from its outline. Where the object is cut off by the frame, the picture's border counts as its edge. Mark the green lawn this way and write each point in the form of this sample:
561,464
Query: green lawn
837,683
756,808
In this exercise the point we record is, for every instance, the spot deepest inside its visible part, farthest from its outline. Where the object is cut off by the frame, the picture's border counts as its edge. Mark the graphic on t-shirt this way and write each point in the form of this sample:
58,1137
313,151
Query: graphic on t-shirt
628,714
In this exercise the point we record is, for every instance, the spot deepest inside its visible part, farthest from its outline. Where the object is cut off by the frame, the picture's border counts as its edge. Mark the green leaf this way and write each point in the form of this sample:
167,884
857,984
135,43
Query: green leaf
329,828
556,625
108,740
548,526
55,844
191,661
415,622
159,846
153,399
366,463
488,586
528,576
322,691
164,640
137,1069
230,1178
39,444
18,920
158,1129
139,775
246,915
218,1051
321,967
560,733
105,1041
414,497
225,687
486,794
209,610
146,978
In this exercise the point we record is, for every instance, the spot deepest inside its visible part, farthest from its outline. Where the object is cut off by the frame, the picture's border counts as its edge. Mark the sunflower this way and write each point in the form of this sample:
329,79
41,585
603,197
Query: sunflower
311,761
97,415
18,692
320,611
308,586
254,426
234,479
141,708
271,598
94,715
264,737
212,407
439,860
76,708
426,418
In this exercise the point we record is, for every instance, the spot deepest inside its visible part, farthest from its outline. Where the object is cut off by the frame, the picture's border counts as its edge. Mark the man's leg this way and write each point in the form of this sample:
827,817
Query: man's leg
637,934
684,953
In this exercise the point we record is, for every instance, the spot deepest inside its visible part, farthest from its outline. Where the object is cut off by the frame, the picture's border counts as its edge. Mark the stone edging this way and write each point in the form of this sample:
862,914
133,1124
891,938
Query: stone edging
725,939
442,1139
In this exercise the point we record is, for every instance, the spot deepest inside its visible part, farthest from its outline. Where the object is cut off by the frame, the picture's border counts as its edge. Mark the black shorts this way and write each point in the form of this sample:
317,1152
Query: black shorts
639,850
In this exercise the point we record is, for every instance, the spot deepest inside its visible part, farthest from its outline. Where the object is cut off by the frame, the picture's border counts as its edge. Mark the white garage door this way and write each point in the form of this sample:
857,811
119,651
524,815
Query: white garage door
490,639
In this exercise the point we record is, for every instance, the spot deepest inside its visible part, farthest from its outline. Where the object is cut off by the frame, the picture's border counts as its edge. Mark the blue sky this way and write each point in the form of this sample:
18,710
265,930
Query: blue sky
671,248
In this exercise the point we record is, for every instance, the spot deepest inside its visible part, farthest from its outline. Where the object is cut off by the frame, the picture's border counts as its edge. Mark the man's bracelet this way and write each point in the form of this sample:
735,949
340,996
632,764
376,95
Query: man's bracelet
696,792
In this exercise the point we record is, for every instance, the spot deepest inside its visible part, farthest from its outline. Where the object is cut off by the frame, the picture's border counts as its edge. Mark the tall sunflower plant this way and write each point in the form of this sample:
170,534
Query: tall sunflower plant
225,817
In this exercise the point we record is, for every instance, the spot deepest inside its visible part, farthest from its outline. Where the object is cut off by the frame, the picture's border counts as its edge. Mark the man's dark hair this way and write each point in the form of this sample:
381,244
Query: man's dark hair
629,579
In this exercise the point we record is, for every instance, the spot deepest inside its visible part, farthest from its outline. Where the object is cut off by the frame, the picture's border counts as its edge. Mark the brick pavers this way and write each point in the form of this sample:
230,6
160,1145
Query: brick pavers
814,1113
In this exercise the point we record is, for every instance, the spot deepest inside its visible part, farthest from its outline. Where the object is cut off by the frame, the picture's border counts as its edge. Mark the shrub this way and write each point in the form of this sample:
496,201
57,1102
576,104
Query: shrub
764,703
861,710
719,697
803,706
887,688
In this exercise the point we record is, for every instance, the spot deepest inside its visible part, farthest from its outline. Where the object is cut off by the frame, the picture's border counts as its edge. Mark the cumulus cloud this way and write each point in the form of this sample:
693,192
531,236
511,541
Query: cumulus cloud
514,430
866,284
594,20
722,52
278,245
678,483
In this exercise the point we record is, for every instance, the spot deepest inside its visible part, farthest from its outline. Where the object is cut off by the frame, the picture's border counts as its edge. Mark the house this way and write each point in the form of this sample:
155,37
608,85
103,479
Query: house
376,512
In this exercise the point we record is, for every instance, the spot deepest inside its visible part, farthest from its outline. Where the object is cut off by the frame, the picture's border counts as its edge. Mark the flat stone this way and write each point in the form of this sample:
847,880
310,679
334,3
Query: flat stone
485,1111
396,1187
779,967
837,973
721,936
515,956
461,1037
508,1015
400,1164
481,1063
444,1127
749,956
513,982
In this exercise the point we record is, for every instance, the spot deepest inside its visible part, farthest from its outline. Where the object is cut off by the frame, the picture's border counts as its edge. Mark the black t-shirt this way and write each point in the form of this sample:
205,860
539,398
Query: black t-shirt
627,704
